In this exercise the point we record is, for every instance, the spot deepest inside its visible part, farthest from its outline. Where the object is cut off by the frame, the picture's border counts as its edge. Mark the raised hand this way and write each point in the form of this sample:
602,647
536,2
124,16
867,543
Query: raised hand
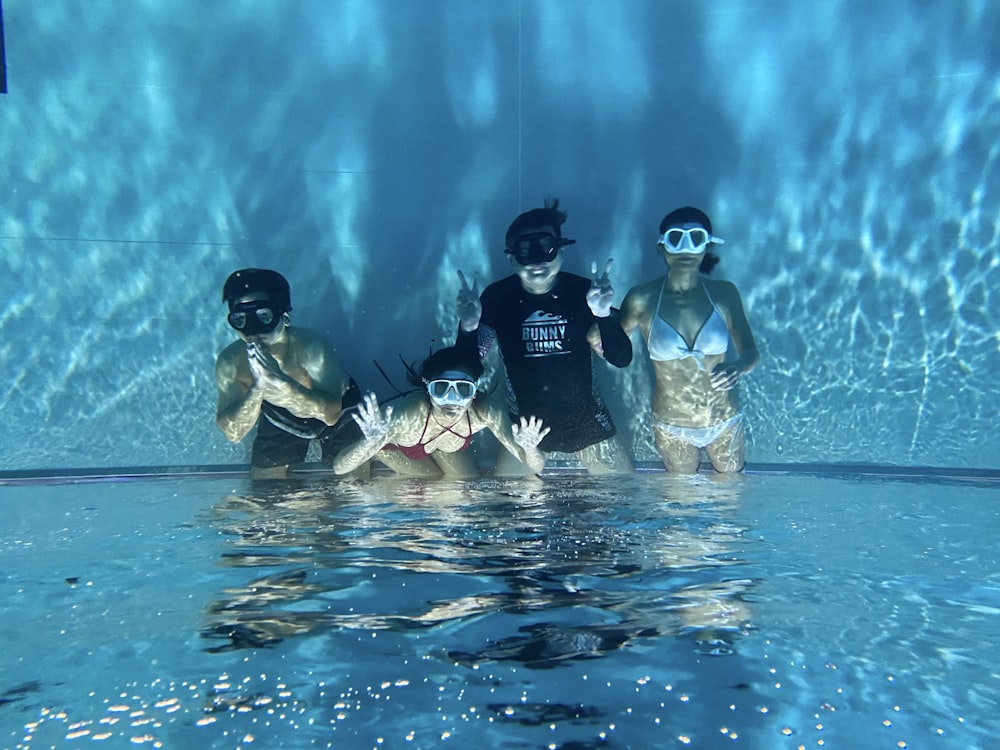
373,422
467,304
529,433
725,376
266,371
601,293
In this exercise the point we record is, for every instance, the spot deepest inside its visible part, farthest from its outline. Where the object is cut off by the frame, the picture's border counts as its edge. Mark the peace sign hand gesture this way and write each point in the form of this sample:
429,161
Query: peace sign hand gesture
601,293
467,305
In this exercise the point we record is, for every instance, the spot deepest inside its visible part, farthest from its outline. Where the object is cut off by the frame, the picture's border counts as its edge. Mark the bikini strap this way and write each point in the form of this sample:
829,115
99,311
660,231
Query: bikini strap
427,421
659,299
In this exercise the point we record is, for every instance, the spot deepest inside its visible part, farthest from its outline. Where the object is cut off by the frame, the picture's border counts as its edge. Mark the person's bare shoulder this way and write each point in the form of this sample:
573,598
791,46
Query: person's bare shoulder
641,298
229,359
312,347
647,290
723,292
307,339
486,413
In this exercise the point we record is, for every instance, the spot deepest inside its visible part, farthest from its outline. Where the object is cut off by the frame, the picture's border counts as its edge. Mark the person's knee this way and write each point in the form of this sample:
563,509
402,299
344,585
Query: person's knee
729,464
729,458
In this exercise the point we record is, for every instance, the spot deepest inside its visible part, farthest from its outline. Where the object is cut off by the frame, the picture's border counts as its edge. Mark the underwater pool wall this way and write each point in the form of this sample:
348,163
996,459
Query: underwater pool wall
846,151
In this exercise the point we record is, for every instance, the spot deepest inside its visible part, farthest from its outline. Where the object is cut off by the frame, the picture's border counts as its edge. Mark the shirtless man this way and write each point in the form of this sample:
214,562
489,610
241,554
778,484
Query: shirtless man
284,379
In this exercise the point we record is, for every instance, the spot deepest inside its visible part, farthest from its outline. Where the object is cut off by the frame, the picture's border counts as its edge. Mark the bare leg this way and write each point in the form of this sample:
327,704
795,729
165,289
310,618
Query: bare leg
728,452
606,457
679,456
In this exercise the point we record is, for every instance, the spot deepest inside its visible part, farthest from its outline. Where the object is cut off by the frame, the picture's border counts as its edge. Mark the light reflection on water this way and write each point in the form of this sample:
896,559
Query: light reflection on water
568,612
849,156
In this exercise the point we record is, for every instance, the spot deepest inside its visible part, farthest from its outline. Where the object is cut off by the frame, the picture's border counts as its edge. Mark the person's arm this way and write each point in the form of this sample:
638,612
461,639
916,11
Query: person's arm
609,340
320,398
238,403
520,440
726,375
472,334
376,426
631,311
741,334
615,343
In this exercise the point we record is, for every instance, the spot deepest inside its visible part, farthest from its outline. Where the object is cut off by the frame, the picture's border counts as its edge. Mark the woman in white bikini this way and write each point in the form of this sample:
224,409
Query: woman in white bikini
700,344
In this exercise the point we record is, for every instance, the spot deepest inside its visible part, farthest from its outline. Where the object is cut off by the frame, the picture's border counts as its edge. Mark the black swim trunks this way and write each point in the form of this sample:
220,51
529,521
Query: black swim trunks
283,439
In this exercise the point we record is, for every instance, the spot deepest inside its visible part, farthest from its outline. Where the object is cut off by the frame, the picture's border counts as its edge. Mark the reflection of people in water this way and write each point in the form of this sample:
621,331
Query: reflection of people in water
426,434
548,325
551,550
700,344
288,375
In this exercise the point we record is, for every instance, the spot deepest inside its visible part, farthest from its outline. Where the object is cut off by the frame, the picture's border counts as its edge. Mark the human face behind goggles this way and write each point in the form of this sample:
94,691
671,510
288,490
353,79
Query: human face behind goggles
535,245
688,238
254,318
453,388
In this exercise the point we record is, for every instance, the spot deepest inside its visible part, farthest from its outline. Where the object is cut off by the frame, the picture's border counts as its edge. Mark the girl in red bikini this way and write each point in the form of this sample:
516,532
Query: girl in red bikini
425,435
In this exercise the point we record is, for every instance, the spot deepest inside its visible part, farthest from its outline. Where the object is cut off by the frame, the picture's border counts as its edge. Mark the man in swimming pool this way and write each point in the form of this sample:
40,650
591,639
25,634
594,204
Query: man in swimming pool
549,324
284,379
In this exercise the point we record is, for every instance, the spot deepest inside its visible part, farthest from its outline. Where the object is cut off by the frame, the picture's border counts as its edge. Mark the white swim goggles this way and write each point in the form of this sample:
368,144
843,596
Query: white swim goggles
693,240
448,392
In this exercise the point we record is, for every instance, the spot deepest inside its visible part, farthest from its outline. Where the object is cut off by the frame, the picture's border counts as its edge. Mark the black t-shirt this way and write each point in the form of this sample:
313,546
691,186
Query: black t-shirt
549,362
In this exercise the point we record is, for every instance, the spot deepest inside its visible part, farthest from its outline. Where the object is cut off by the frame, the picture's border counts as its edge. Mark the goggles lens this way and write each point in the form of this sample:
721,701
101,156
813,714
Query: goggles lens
541,247
693,240
451,391
254,317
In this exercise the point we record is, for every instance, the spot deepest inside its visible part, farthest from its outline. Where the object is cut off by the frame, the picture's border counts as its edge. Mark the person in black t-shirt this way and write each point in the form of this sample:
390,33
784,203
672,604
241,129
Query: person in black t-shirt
548,325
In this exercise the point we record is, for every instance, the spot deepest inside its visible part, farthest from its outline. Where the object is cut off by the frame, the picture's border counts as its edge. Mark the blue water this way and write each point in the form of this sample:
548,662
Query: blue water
845,149
570,612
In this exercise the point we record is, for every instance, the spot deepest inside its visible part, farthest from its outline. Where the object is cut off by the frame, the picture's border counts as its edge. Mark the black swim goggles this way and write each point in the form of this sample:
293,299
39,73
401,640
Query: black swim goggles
537,247
254,318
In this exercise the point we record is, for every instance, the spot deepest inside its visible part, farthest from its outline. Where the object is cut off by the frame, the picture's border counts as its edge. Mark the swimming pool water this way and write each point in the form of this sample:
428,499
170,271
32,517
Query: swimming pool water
568,612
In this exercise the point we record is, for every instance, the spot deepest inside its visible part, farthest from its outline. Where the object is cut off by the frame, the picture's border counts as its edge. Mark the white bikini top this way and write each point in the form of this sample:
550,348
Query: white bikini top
666,344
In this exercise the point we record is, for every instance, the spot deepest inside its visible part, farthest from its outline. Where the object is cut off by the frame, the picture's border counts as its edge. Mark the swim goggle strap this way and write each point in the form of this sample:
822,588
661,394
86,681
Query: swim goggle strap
254,318
693,240
448,392
538,247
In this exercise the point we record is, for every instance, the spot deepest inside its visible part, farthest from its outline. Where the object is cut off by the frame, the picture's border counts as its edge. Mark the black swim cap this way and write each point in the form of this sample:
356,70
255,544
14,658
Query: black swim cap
685,215
253,280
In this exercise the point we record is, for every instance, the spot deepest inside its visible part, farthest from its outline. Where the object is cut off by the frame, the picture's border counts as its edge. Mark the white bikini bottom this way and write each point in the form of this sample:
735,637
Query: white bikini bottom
701,437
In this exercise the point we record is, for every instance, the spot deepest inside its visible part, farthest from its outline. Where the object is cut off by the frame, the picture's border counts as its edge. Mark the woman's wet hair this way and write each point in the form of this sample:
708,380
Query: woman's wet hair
443,360
549,216
691,215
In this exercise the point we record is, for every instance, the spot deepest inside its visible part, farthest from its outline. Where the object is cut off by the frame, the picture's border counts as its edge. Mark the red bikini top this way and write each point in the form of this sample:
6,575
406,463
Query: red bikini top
418,451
